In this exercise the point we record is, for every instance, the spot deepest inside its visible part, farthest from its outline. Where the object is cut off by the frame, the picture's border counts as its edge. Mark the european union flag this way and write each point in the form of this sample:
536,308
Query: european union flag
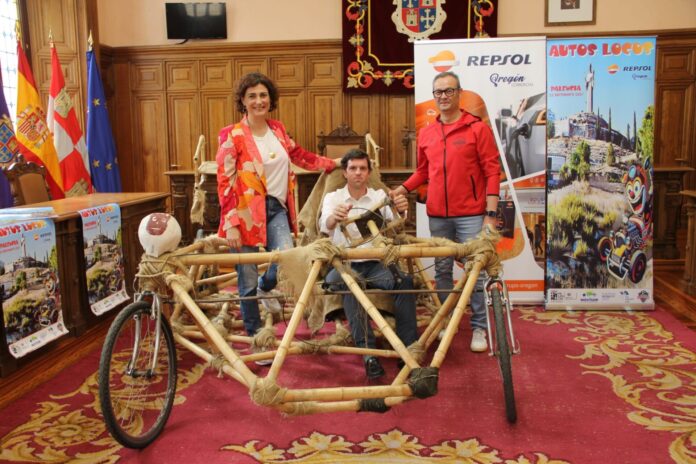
101,148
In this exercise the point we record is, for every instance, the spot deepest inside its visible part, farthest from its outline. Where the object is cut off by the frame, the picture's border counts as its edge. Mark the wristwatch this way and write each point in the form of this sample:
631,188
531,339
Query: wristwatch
492,214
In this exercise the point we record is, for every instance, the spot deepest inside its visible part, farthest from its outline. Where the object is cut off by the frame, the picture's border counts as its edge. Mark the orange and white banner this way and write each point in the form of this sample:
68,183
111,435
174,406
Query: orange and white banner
504,84
35,140
67,134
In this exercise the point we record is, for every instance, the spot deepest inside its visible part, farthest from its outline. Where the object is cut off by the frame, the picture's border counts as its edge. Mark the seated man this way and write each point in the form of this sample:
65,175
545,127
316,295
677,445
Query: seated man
352,200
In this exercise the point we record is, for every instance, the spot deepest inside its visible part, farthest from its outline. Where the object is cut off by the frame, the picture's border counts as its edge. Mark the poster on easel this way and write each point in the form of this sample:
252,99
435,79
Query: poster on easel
599,158
101,229
31,300
503,83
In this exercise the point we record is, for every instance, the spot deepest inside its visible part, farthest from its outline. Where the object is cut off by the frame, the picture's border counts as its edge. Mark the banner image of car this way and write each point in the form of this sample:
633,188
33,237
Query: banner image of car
599,170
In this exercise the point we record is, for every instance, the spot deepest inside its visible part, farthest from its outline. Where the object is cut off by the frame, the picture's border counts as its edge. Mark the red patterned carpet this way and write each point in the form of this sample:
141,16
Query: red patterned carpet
591,387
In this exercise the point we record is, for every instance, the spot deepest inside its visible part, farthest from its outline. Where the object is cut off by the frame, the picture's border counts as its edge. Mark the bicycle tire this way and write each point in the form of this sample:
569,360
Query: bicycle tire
504,355
133,414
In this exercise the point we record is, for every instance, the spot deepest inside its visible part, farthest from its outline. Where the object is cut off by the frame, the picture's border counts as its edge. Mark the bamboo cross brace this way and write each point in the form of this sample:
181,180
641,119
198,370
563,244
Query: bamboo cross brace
378,253
200,352
429,334
295,320
372,311
346,393
453,325
212,334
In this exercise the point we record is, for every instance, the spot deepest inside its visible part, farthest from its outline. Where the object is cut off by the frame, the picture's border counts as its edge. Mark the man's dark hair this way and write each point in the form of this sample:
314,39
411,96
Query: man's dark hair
354,154
448,74
252,80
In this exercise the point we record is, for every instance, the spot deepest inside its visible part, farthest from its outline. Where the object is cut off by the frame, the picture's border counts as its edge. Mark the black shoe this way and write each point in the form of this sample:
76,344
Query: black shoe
373,369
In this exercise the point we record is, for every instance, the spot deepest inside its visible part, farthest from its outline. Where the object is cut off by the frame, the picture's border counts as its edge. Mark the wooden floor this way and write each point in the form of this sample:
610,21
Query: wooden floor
668,290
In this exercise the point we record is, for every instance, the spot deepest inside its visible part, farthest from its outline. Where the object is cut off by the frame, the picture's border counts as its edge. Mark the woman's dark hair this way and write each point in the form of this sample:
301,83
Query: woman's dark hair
252,80
354,154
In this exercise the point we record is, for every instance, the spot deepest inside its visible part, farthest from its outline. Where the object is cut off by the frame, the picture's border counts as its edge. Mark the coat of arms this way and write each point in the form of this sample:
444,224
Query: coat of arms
418,19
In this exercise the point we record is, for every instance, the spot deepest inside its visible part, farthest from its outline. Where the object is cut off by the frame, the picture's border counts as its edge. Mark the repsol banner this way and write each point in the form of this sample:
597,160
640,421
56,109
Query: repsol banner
600,187
503,83
101,230
29,285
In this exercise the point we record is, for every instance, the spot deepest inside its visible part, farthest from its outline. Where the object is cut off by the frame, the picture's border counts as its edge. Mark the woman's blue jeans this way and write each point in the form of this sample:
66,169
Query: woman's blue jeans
278,237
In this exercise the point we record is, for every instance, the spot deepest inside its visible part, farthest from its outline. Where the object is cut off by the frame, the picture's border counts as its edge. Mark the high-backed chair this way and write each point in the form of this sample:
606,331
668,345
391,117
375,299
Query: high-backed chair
28,182
339,141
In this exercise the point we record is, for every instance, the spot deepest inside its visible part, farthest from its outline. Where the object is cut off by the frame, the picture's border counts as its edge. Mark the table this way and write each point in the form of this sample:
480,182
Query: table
690,249
71,264
667,181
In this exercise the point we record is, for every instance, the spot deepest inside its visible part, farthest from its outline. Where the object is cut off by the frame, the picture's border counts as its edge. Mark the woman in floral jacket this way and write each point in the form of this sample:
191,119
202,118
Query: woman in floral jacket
255,187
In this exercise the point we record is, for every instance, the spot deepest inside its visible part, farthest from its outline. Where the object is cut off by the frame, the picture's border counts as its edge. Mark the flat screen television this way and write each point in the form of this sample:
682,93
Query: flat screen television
196,20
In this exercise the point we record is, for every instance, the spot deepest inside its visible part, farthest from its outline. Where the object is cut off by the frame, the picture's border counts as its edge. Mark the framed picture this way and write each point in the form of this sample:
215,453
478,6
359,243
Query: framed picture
570,12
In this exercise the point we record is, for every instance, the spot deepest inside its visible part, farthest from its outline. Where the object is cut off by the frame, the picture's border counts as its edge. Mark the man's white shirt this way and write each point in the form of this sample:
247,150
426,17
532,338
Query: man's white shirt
366,202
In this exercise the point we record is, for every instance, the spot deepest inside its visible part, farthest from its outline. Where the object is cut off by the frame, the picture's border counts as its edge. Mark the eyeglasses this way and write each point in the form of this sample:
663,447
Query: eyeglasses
447,92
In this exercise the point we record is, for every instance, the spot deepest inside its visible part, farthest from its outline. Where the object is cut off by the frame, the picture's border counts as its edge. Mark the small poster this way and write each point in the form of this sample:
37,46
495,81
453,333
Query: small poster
29,285
101,229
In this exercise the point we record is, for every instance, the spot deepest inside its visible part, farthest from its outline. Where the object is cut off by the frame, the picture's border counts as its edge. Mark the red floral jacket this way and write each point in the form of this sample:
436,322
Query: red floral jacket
241,180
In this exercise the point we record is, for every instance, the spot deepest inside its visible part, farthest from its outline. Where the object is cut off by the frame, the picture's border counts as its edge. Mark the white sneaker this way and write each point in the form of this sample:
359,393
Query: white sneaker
272,305
264,362
479,342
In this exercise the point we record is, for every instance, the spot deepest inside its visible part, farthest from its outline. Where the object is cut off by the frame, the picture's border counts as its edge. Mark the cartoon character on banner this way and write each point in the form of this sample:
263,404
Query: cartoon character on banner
623,249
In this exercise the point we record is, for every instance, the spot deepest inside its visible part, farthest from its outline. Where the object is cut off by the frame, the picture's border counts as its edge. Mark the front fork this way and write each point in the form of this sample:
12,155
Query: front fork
156,315
507,310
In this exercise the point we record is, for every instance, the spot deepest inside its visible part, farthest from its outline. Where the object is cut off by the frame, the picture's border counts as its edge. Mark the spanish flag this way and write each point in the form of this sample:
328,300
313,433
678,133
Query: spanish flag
35,140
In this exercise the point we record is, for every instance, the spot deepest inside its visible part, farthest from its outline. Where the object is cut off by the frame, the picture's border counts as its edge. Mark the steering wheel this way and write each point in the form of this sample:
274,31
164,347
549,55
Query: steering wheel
371,223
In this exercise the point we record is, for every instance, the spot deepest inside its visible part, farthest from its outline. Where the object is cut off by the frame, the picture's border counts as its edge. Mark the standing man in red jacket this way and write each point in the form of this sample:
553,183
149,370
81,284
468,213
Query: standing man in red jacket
458,157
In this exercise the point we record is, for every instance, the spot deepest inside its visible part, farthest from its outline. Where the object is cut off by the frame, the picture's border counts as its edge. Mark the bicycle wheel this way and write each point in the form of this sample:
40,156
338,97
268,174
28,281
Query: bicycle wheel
135,399
503,353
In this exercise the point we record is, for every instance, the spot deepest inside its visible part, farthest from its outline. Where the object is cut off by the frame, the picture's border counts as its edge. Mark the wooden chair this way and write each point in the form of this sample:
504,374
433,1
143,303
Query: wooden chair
28,182
339,141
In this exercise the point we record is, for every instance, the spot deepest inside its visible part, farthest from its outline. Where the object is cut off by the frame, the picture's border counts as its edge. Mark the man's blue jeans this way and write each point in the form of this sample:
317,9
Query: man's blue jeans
459,229
373,274
278,237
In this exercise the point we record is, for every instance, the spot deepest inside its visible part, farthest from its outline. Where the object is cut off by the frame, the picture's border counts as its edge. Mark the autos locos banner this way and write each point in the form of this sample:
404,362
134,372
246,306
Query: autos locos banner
600,190
101,229
31,302
504,84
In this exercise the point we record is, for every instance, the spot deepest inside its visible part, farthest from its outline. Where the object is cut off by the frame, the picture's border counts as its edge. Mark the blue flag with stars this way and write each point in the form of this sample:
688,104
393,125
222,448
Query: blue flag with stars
101,148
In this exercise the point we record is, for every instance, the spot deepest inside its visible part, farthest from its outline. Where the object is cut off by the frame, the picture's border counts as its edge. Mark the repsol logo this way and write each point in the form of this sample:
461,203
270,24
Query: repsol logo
492,60
637,68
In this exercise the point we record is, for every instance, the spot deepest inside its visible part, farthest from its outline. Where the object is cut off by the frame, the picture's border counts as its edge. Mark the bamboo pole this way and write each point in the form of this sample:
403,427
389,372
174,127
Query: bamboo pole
295,320
346,393
430,333
377,253
316,408
453,325
212,334
372,311
200,352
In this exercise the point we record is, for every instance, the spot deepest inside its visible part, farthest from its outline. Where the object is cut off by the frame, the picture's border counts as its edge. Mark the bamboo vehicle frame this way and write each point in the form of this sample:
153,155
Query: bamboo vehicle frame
137,372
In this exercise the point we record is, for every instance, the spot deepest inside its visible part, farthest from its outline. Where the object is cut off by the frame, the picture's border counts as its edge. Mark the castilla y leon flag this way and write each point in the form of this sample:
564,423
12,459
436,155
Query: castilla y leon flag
35,140
100,140
67,135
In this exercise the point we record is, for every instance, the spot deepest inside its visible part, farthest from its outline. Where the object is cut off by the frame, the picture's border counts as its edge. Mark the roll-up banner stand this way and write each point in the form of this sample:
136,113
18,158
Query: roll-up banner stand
599,188
504,83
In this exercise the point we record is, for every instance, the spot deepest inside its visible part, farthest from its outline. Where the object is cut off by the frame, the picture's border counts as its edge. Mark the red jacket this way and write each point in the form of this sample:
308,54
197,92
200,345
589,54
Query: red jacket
461,164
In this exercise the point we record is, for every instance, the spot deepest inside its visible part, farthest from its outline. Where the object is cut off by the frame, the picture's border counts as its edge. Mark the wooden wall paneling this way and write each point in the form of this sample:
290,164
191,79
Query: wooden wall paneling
150,147
181,75
288,71
292,112
122,125
245,65
324,70
363,115
675,126
216,75
147,76
399,113
183,112
218,112
324,111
